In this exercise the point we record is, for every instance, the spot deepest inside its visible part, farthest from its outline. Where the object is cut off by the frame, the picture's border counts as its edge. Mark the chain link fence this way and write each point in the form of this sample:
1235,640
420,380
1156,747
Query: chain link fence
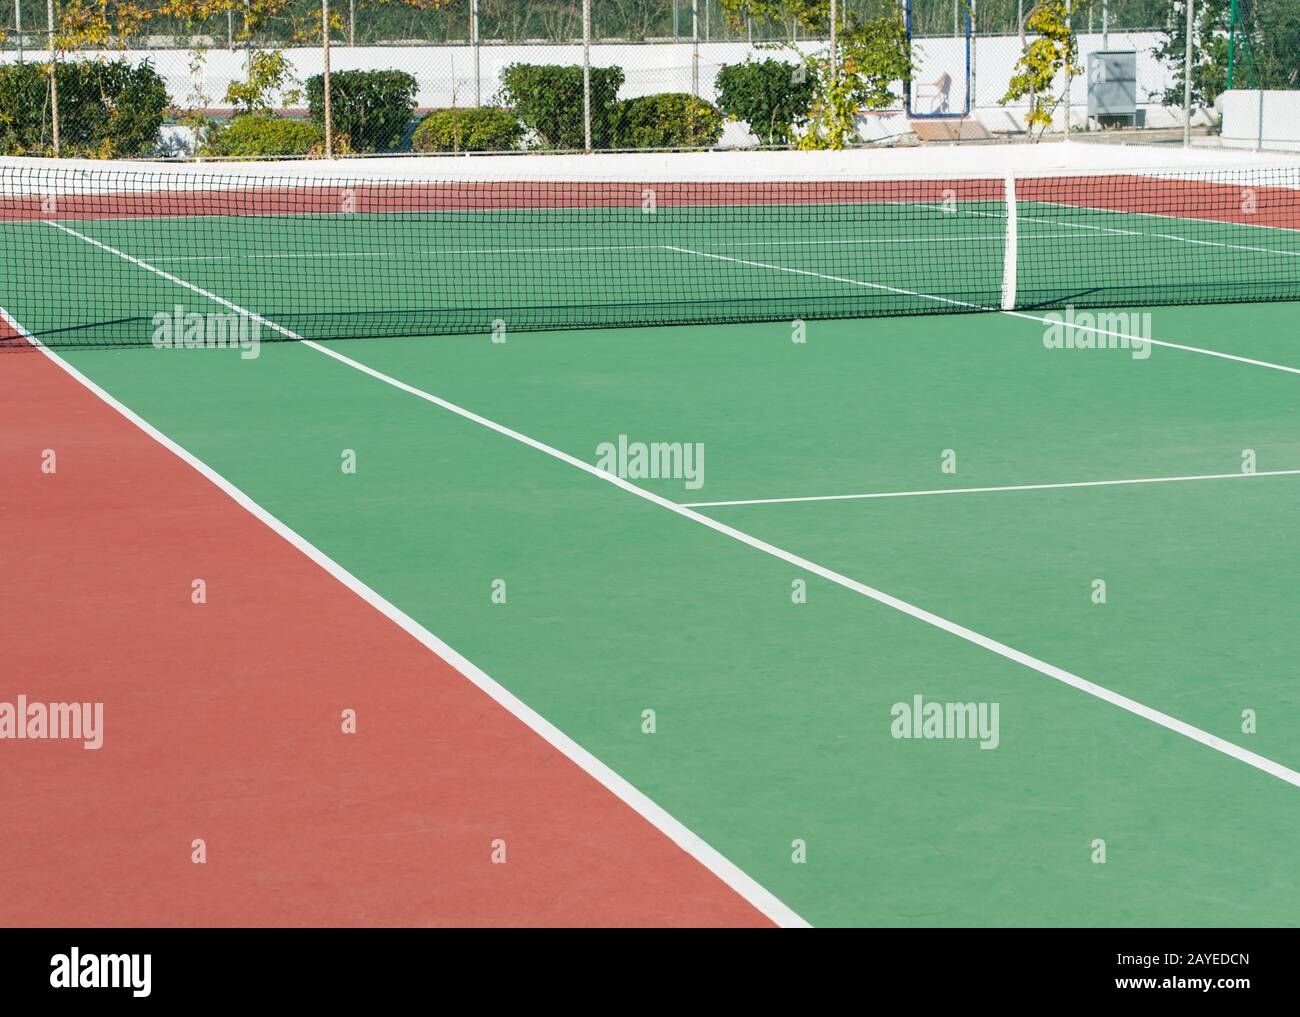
1258,81
245,78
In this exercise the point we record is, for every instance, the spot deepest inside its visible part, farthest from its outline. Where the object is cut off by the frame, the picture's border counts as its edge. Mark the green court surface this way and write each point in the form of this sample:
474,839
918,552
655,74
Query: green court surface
774,707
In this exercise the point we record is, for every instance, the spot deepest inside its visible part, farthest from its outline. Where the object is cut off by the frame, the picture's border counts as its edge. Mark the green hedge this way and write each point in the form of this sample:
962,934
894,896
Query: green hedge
476,129
262,134
106,109
668,120
548,98
771,96
373,108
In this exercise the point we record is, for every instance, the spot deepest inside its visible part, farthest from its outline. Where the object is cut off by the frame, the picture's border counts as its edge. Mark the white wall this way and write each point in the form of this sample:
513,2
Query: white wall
1268,120
446,73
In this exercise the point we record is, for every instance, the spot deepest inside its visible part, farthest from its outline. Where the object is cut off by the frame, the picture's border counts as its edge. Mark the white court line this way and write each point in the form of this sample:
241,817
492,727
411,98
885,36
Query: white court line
1122,232
989,490
692,844
399,254
1117,231
1170,215
984,307
1142,233
449,252
832,278
1253,759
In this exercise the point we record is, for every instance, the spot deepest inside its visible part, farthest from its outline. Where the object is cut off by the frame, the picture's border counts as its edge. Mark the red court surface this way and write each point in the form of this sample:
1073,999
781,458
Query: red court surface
223,723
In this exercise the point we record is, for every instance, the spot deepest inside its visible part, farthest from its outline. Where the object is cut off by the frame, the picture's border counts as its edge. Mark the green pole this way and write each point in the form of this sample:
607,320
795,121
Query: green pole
1232,39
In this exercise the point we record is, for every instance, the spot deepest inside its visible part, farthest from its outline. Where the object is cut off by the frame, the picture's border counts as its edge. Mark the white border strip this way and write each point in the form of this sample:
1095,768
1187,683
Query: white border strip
1253,759
727,871
979,162
989,490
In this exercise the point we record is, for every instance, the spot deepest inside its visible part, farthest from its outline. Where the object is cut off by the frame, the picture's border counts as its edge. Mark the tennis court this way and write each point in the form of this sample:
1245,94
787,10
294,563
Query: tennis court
1066,543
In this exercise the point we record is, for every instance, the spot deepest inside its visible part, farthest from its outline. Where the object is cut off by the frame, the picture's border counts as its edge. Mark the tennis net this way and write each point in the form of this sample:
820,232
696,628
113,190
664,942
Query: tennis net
124,257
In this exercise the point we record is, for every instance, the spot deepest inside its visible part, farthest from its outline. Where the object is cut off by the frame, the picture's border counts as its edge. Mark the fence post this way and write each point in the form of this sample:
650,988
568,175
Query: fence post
1232,39
1187,79
54,78
1069,78
695,48
834,53
1033,97
329,107
586,72
473,41
18,27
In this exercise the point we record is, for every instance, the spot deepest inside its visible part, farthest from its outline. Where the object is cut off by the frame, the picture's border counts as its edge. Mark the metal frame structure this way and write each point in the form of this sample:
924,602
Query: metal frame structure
968,108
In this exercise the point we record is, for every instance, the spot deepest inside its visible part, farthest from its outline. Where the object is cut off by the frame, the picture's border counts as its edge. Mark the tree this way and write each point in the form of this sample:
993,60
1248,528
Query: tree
1267,41
99,24
1052,50
269,78
808,14
868,59
859,72
1210,23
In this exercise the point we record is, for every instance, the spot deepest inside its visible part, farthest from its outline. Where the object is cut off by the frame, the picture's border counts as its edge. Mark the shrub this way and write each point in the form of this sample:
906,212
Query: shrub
270,82
667,120
771,96
254,134
548,98
106,109
373,108
477,129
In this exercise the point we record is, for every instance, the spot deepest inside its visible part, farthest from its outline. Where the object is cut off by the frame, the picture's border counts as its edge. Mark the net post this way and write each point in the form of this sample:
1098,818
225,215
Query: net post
586,73
1009,253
